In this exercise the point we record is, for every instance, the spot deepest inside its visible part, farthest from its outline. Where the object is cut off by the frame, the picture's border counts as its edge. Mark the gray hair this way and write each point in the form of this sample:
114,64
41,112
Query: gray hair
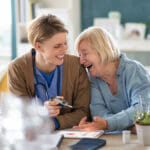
102,41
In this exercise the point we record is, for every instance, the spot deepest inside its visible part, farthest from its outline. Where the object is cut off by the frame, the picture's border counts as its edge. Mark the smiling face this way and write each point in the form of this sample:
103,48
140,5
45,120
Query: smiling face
53,49
90,58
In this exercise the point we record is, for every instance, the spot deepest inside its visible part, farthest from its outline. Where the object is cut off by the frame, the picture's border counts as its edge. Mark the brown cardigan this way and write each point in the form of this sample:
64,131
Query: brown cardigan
75,86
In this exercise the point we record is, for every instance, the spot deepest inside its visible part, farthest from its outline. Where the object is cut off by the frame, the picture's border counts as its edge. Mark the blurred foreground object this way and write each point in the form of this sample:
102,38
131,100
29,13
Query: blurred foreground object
24,125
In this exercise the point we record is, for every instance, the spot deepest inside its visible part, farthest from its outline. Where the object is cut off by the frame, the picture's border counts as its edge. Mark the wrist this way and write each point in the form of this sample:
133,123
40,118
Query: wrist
105,124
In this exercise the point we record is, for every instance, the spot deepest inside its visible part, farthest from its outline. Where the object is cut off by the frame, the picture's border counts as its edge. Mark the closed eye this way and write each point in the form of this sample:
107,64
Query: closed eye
58,46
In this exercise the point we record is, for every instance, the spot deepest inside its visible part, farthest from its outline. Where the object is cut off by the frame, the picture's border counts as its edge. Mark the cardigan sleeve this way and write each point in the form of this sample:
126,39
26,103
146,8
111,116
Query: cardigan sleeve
16,80
79,98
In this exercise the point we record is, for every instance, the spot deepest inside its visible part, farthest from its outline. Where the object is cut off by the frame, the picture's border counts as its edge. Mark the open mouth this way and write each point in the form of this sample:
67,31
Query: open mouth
88,67
60,56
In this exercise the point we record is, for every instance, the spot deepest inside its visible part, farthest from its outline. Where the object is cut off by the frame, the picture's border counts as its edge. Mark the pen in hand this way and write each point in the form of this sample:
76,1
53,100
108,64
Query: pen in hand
61,102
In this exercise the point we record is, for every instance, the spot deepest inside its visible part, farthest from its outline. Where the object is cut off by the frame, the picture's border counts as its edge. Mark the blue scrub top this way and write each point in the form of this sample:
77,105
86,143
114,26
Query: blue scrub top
48,85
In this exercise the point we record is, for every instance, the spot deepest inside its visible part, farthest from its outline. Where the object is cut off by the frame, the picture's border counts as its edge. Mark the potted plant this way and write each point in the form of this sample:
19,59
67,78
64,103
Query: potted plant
142,122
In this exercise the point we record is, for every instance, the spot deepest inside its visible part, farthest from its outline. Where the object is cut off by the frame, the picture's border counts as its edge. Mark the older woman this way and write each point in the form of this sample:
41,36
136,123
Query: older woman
116,81
47,71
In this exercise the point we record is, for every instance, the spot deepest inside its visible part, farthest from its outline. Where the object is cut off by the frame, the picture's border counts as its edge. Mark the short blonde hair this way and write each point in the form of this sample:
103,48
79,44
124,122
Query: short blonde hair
102,41
44,27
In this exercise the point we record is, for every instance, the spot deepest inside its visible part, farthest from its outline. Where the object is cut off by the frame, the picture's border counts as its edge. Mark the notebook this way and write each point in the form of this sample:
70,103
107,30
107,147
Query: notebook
80,134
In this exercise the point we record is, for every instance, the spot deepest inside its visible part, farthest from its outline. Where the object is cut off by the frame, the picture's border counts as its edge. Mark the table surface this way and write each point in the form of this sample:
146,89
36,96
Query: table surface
113,142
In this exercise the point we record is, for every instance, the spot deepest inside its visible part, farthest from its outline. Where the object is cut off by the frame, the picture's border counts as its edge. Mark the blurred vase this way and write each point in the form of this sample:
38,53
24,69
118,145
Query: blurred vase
143,134
142,119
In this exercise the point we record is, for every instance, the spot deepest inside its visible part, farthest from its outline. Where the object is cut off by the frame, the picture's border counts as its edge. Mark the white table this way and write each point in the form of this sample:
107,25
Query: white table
114,142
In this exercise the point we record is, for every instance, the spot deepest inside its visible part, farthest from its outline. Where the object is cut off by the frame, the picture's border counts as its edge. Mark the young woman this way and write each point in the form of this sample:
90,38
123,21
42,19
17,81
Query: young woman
47,71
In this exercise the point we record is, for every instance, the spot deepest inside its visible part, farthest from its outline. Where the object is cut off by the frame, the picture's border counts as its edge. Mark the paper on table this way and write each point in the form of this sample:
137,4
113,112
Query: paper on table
81,134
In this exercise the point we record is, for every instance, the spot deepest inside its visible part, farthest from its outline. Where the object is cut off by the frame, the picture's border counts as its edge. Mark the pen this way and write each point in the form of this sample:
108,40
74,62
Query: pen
61,102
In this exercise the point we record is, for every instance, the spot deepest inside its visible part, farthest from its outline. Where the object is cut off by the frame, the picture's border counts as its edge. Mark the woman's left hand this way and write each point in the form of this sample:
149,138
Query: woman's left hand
53,108
97,124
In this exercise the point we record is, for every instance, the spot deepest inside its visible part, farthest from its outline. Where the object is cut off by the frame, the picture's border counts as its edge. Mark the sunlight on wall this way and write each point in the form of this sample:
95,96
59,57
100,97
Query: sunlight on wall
5,13
5,31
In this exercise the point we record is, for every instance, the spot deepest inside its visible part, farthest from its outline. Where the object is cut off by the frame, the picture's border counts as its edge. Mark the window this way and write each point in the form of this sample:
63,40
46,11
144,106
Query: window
5,32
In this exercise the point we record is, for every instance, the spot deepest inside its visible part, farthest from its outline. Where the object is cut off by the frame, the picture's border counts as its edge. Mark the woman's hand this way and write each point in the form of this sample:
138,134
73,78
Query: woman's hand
97,124
53,108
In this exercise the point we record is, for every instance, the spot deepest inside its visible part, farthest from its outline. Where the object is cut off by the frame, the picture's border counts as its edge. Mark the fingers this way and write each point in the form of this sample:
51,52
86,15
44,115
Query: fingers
52,107
53,110
83,121
61,97
88,124
86,127
97,124
79,127
54,113
83,124
50,103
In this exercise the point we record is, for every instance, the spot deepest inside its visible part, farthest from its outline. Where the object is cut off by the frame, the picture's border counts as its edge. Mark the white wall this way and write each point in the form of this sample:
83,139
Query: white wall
61,8
73,7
